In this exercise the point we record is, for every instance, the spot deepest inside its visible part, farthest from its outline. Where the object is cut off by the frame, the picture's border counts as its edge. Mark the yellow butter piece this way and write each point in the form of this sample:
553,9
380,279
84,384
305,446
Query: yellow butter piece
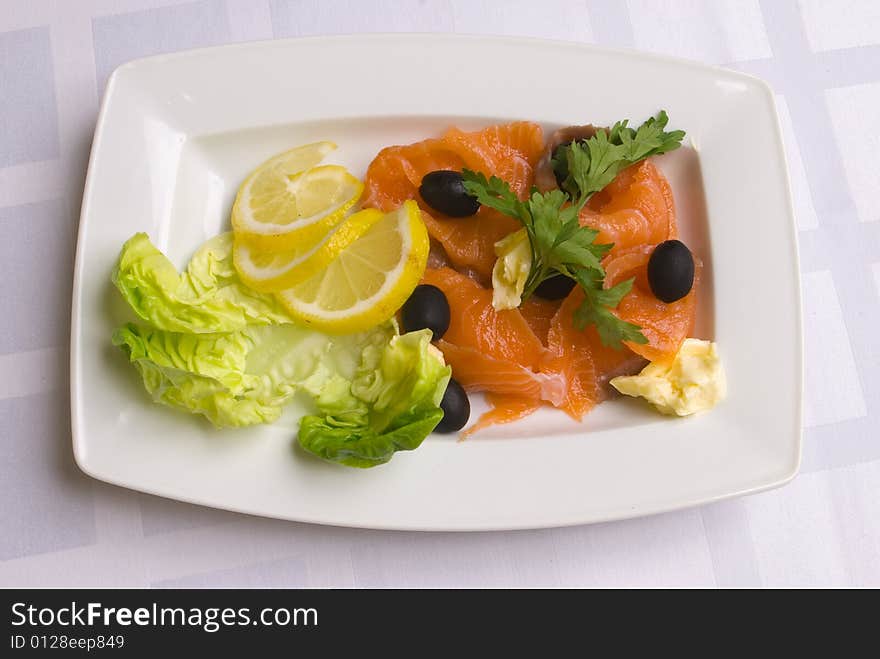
693,382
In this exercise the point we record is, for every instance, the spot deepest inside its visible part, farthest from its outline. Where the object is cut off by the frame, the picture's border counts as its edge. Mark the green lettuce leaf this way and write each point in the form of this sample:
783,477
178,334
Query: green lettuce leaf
216,348
244,378
203,374
362,446
397,391
208,297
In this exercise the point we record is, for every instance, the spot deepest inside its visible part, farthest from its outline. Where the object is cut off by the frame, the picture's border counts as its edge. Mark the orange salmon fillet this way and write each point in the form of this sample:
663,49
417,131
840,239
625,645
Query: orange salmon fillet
509,151
493,350
665,326
527,357
636,208
503,409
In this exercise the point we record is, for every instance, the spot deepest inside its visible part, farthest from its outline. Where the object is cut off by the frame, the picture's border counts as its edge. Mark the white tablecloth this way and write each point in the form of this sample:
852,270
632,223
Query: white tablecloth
60,528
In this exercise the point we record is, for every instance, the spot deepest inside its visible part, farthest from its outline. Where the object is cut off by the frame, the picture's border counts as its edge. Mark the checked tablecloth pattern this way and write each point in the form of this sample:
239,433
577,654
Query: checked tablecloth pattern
59,528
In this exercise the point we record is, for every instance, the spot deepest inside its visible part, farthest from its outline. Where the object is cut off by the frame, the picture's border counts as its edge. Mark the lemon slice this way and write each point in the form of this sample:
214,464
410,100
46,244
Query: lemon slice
369,280
289,201
274,271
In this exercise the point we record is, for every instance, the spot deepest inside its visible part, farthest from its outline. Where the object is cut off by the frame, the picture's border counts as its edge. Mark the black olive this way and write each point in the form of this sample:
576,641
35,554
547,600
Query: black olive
426,307
456,408
555,287
444,191
671,271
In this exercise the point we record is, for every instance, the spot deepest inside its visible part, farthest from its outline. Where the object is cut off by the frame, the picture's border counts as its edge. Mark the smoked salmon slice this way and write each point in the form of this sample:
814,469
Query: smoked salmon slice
469,242
575,359
539,313
665,326
396,172
503,409
476,371
581,358
491,350
534,355
509,151
636,208
474,322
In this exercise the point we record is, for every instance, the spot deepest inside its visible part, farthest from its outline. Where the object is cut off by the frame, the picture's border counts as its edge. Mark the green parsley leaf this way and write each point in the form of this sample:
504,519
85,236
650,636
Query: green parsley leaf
495,193
612,330
580,251
611,297
545,211
596,309
592,164
559,244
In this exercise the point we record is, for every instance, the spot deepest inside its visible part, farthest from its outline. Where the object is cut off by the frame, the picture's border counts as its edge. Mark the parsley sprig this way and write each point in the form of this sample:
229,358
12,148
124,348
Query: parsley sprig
559,244
587,166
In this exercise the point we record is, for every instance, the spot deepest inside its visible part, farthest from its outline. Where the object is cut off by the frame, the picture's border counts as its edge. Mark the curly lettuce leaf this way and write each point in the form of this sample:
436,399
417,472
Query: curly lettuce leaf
207,297
362,446
375,393
244,378
216,348
203,374
397,388
289,358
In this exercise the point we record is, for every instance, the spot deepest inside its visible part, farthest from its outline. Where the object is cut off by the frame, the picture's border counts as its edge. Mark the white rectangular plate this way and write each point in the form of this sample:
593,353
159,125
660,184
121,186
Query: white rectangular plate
178,133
